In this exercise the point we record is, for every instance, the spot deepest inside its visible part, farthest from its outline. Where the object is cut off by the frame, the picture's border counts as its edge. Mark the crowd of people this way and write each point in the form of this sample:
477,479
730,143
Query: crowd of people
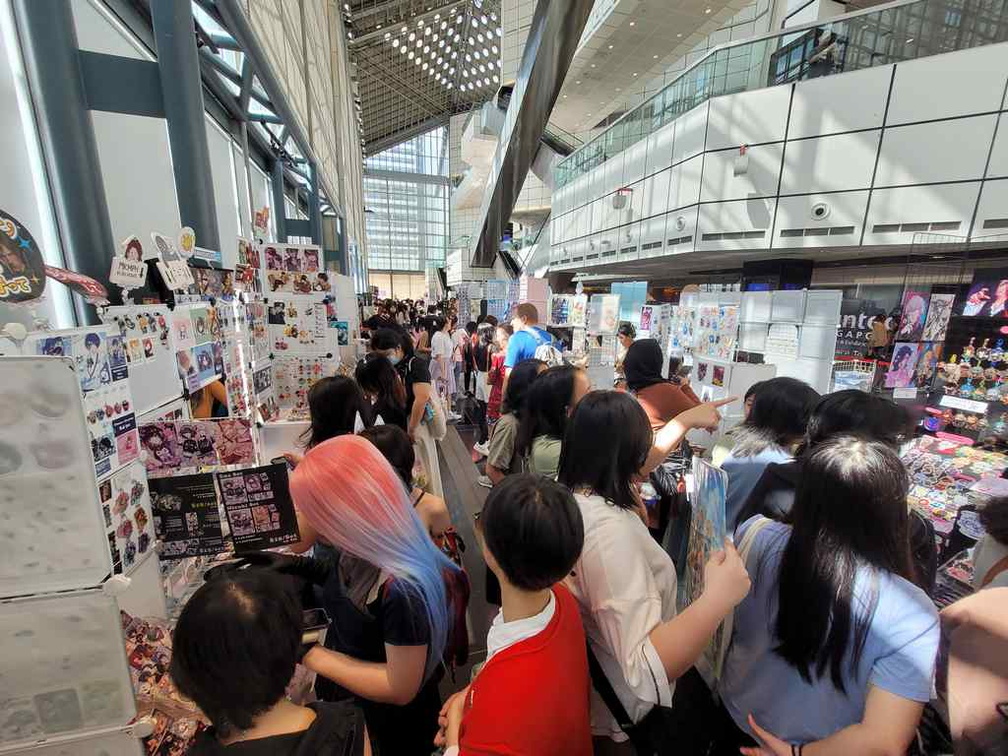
835,643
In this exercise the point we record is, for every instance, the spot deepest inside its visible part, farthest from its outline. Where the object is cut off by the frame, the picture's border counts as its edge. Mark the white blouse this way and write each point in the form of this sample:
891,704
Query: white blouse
625,586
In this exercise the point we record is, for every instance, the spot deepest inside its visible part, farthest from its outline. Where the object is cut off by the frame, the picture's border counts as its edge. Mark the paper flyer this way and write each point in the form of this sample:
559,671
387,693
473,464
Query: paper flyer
186,516
258,507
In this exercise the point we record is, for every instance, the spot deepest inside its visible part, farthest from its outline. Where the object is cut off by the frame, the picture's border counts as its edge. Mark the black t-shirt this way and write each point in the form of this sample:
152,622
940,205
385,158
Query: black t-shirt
338,730
391,414
397,619
413,370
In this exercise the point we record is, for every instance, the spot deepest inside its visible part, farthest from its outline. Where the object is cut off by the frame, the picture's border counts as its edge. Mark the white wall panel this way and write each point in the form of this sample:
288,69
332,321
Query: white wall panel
759,180
954,84
241,181
659,151
137,172
633,162
682,223
690,133
999,155
830,164
834,104
598,216
628,241
97,32
653,231
993,206
684,185
656,194
845,210
748,118
740,216
945,203
225,192
637,200
952,150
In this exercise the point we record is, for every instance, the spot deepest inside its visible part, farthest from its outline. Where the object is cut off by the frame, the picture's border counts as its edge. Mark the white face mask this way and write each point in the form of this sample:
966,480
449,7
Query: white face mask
395,359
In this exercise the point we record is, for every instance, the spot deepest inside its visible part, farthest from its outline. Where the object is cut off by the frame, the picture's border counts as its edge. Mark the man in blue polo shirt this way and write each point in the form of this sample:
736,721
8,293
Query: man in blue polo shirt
527,336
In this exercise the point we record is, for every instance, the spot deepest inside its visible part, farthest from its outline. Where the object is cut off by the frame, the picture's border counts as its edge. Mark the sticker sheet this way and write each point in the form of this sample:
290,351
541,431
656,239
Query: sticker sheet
62,667
258,507
295,269
102,367
171,447
128,520
294,377
53,535
716,331
186,516
297,326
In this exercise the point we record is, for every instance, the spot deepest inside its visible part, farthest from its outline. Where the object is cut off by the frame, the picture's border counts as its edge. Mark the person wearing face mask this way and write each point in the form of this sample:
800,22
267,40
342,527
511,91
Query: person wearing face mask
416,377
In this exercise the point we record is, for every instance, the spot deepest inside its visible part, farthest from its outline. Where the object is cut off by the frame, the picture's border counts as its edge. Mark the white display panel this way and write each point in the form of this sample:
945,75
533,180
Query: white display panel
755,307
752,337
112,744
53,533
817,342
62,667
823,307
788,307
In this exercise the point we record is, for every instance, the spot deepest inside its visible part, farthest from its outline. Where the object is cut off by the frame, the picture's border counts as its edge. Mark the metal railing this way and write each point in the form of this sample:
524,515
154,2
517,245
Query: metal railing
877,36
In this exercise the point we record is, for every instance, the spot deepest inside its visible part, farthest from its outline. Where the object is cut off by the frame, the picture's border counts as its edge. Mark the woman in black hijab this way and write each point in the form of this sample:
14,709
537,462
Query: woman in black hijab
661,399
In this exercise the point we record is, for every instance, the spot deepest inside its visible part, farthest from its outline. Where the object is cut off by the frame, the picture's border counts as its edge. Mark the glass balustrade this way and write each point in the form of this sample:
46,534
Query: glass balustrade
878,37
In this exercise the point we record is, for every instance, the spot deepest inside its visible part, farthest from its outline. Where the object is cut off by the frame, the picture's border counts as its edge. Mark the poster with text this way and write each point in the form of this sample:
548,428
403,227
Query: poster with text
988,294
258,507
186,516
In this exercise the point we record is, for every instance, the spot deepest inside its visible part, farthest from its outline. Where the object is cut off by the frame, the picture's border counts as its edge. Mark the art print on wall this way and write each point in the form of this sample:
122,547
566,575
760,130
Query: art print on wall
939,312
913,316
903,367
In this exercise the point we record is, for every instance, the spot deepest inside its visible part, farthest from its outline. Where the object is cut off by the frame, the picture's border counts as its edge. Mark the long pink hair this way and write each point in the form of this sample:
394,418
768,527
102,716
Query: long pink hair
354,498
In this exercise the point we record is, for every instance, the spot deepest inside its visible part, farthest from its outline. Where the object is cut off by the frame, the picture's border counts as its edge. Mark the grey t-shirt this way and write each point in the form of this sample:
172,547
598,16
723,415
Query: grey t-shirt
502,445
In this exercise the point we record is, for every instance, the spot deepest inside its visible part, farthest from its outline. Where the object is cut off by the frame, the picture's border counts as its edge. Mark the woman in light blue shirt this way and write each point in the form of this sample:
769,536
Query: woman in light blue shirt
833,651
780,412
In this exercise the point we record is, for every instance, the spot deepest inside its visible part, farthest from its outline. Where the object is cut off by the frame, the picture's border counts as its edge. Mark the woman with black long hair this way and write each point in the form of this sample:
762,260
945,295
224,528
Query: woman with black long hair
382,385
549,403
834,649
624,581
480,355
503,459
774,426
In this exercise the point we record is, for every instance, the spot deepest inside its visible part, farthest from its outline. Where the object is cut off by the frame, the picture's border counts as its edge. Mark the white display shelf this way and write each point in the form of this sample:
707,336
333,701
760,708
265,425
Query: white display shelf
62,667
51,526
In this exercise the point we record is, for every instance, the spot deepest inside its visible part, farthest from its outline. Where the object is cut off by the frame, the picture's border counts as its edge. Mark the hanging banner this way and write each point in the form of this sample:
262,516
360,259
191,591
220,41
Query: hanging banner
22,271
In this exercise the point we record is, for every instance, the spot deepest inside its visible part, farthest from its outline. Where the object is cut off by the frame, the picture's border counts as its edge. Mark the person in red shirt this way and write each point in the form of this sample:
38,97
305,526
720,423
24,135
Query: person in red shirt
495,376
531,534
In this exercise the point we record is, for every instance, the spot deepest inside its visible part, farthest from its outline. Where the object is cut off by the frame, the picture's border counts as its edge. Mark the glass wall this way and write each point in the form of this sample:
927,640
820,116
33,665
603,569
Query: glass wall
406,193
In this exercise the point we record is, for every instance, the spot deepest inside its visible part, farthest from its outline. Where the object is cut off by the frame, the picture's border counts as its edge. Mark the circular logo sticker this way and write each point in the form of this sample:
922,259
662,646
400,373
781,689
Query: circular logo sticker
22,271
187,242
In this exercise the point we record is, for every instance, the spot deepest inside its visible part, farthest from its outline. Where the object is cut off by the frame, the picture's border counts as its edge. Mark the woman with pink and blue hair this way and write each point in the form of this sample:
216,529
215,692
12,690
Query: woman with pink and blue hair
386,594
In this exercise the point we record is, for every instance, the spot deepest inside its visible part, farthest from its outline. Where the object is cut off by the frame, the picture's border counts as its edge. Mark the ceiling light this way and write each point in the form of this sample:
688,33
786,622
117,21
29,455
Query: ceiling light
493,16
423,67
437,16
449,85
635,74
426,49
480,38
655,57
388,35
472,41
378,26
427,31
494,48
395,43
404,30
618,89
610,47
440,43
409,55
412,36
707,10
468,57
578,81
417,60
482,68
439,60
451,70
593,65
476,53
678,36
564,96
633,23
